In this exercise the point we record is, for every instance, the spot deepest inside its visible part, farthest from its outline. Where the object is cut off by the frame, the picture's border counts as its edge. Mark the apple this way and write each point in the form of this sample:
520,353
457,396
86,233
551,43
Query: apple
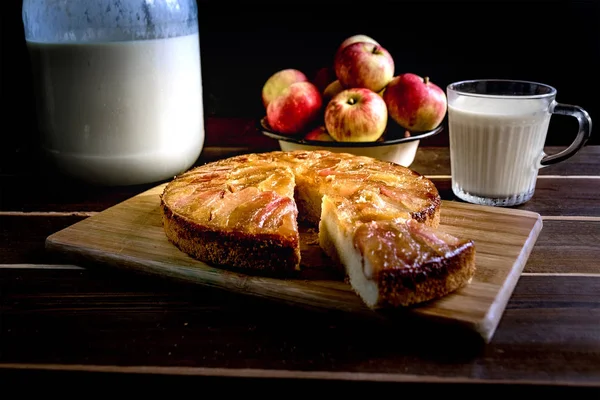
415,103
331,90
356,115
278,82
354,39
323,77
364,65
295,109
319,133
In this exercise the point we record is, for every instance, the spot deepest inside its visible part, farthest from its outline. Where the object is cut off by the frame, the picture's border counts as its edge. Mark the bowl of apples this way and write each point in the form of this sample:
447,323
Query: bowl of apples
357,106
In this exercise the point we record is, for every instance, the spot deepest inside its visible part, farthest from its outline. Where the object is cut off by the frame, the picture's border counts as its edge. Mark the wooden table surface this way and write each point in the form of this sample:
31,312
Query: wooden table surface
64,321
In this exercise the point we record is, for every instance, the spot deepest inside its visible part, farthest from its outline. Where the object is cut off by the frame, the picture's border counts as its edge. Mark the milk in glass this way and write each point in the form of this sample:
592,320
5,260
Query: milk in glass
496,146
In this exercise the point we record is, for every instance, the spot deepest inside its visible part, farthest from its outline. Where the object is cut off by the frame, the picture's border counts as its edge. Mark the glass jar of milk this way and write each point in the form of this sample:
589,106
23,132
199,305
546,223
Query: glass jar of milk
118,86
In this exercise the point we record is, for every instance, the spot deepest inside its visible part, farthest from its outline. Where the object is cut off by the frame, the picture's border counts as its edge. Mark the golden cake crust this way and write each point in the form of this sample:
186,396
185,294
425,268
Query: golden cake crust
267,252
435,279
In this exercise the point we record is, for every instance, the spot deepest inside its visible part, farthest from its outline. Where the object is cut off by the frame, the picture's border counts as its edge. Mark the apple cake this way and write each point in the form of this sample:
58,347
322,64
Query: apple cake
377,220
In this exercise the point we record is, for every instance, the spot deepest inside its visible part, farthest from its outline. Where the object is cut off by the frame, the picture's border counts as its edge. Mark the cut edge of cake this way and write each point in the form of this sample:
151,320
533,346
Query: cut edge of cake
396,285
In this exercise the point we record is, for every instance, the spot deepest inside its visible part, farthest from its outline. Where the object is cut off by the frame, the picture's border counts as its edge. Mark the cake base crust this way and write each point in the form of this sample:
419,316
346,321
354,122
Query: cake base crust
269,253
397,289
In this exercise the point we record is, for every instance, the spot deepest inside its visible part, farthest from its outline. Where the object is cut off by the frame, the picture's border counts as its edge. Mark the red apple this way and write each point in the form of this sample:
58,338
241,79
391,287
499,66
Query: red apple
331,90
354,39
415,103
364,65
278,82
319,133
356,115
295,109
323,77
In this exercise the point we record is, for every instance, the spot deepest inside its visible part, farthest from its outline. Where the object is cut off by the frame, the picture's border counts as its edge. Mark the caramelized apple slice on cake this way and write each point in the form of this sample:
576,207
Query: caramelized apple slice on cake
390,258
245,216
404,262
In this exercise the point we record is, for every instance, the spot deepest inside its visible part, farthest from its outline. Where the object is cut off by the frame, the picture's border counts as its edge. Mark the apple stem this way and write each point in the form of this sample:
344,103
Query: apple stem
426,80
351,101
375,49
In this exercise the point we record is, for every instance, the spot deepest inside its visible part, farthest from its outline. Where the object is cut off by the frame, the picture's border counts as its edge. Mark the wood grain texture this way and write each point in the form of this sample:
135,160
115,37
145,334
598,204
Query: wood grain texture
566,247
52,192
221,133
55,193
436,161
552,197
155,380
130,235
549,333
577,197
22,237
563,246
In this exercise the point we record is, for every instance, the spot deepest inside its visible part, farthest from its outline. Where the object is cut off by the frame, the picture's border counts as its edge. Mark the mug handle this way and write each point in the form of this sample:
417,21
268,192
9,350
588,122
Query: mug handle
585,130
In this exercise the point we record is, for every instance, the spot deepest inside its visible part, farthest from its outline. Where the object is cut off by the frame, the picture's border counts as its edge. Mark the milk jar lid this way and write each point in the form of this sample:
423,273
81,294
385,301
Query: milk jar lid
71,21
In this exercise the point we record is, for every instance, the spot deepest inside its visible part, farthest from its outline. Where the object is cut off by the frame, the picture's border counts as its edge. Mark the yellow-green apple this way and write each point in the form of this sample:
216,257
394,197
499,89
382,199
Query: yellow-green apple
323,77
278,82
365,65
354,39
295,109
356,115
331,90
319,133
415,103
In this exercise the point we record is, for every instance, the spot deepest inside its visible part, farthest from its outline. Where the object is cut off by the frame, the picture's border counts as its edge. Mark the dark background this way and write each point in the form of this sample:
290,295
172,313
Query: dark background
242,44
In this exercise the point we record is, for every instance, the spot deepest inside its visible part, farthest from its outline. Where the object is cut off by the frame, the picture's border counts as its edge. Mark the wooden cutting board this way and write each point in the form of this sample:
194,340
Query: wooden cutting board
130,235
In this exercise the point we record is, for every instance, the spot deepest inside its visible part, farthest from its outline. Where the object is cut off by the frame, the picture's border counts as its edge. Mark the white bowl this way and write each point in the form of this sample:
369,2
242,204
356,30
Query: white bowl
394,146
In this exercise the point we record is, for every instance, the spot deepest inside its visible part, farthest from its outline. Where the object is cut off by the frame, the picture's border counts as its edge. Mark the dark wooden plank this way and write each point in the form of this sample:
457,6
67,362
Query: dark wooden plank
237,132
585,162
153,382
436,161
27,192
52,193
433,156
566,247
552,197
432,161
220,132
22,237
549,332
562,247
565,197
49,191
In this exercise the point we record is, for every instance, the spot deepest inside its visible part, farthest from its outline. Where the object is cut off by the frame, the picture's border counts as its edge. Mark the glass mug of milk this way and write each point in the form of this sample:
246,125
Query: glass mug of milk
497,130
118,87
